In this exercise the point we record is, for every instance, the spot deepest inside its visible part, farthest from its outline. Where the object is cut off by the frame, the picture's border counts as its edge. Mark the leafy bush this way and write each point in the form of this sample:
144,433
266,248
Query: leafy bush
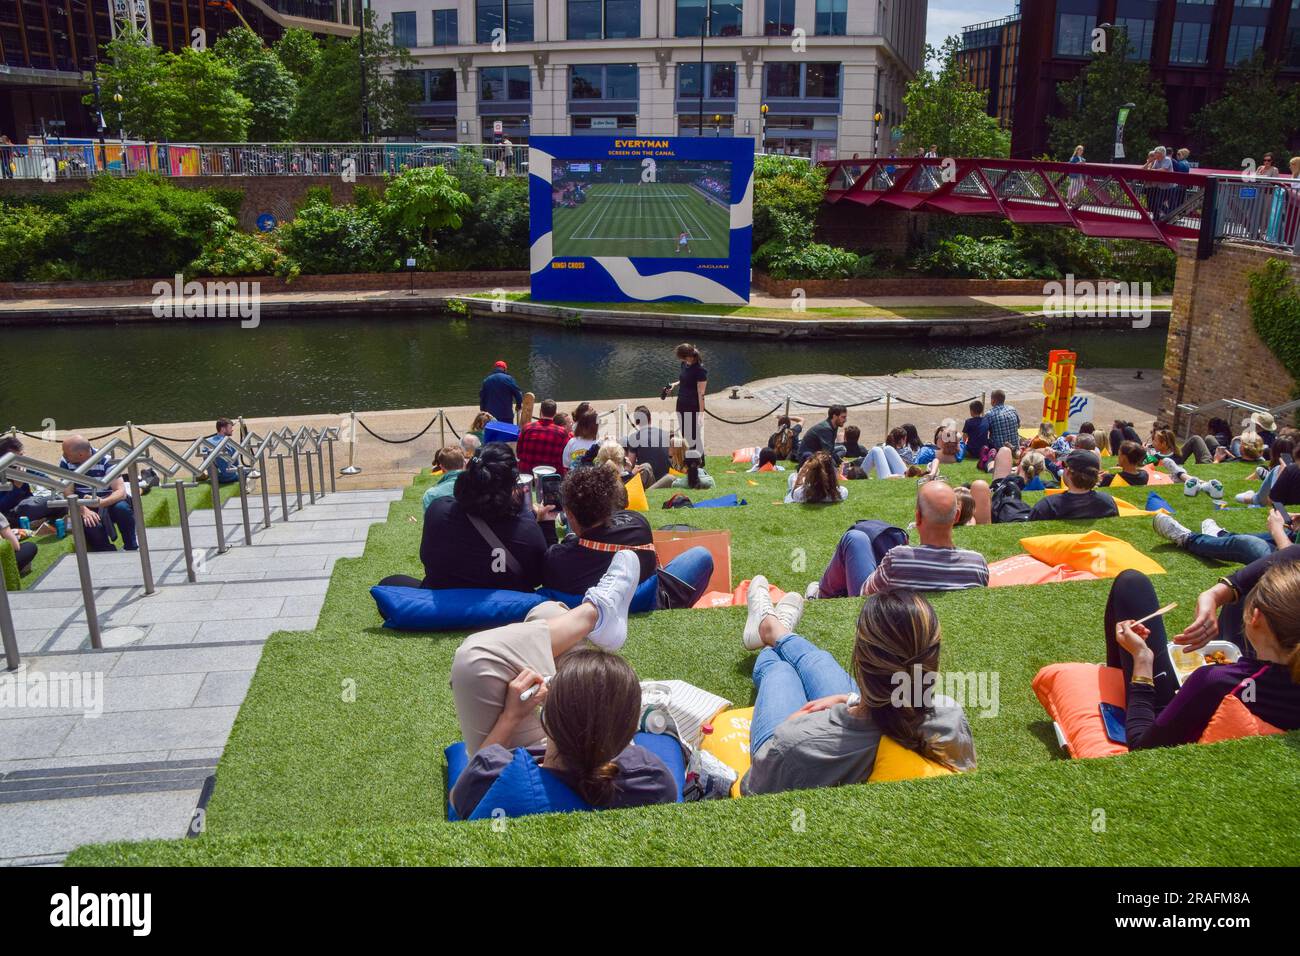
326,239
1275,312
29,239
237,253
967,257
788,194
812,260
1069,252
138,227
494,228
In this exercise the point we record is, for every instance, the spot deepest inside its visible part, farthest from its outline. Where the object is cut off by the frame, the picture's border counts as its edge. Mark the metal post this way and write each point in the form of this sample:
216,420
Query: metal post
83,566
787,409
7,633
311,479
243,503
183,515
888,401
222,548
284,490
442,429
333,483
266,494
352,468
297,476
320,467
130,434
141,536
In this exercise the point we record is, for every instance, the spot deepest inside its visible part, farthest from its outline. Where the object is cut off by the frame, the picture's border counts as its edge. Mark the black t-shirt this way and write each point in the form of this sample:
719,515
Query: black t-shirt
1139,477
1286,489
976,430
1093,504
572,568
455,555
650,445
688,393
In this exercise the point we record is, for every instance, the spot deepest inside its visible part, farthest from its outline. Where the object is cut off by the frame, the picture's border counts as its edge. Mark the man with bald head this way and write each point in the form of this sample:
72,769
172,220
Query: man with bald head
933,565
113,513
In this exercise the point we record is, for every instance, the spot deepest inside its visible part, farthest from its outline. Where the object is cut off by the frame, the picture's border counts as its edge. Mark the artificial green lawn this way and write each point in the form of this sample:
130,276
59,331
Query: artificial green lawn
308,777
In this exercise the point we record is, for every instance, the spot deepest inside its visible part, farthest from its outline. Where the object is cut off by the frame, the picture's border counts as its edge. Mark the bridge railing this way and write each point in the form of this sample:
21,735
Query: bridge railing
1258,211
82,160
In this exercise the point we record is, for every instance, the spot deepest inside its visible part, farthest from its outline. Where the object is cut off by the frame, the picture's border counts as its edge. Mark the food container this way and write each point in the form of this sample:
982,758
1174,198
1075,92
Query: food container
1185,662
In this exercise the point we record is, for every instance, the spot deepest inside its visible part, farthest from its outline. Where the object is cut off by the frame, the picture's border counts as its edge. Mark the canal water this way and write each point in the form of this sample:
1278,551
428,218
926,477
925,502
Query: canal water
183,371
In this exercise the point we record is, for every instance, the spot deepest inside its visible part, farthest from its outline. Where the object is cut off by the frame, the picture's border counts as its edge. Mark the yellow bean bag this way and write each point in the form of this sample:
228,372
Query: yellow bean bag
636,499
1092,551
896,762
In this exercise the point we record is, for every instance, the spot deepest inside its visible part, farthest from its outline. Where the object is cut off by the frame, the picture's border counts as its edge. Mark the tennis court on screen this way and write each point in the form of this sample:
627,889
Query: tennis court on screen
643,219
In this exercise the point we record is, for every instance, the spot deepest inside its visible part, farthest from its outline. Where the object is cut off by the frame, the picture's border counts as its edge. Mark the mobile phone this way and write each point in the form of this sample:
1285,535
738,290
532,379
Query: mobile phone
1113,720
1281,509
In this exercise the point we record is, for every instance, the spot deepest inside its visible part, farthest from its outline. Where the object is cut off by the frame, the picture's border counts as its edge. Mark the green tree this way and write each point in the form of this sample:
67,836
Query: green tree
947,111
137,71
329,99
208,108
1090,104
263,80
298,51
418,201
1256,114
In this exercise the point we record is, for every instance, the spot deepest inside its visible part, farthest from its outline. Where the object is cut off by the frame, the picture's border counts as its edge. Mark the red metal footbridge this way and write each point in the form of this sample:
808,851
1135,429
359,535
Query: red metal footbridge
1098,199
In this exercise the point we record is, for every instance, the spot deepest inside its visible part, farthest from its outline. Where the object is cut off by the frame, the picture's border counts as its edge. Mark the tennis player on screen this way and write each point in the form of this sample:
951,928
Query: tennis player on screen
683,243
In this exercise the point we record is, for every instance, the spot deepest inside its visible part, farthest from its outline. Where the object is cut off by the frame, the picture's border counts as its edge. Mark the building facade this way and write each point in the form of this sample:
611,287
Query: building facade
1191,45
513,68
47,47
988,57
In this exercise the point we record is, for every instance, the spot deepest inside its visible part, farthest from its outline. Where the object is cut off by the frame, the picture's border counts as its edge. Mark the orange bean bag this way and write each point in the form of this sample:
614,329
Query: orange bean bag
1072,695
1022,569
744,456
735,598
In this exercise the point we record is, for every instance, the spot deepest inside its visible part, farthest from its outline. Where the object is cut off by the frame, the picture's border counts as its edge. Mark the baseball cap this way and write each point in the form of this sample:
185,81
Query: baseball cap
500,364
1082,458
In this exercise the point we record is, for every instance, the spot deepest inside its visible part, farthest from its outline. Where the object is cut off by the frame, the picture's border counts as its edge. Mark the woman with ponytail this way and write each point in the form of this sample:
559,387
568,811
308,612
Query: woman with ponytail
816,482
590,710
1257,608
814,725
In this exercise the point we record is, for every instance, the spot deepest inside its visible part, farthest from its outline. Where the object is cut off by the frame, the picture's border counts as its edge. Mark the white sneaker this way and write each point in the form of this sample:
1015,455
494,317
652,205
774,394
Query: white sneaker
1169,528
1246,498
1261,472
1211,527
790,609
1213,488
1191,486
612,598
760,606
813,591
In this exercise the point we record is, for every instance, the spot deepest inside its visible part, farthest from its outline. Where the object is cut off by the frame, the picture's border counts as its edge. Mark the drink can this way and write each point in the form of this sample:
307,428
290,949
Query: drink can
25,522
60,527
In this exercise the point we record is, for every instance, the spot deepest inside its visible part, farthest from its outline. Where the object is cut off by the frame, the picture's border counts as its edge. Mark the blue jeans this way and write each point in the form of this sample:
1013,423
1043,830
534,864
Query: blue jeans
1241,548
1261,497
851,565
886,460
694,567
118,516
787,676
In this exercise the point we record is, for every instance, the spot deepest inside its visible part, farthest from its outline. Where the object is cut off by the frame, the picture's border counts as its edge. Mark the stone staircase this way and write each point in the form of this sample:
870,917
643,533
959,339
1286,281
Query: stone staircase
169,680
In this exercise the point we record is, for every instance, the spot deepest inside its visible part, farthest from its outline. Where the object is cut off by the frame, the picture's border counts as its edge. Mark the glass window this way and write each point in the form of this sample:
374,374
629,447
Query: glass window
584,19
1243,41
621,82
1293,36
442,86
585,82
444,28
778,18
519,21
1074,34
720,80
516,16
622,19
404,30
1140,33
822,80
1190,41
782,80
489,16
832,17
724,17
505,83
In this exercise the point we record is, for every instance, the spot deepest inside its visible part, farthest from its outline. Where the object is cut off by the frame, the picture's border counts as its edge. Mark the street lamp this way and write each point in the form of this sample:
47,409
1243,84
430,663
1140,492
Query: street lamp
717,125
705,25
365,103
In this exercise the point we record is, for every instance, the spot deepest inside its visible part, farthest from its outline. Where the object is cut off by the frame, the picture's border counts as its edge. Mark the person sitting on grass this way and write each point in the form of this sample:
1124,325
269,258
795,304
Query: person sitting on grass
936,564
784,442
1120,432
1217,544
227,460
486,663
451,462
1131,456
1165,445
814,725
975,431
1159,713
886,459
584,438
822,437
481,535
611,454
470,445
766,461
593,705
1279,459
541,441
816,482
1080,499
852,448
24,551
1247,446
480,422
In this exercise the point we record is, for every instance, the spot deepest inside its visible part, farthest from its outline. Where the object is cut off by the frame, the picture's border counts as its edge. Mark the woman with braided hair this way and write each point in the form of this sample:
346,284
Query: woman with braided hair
814,725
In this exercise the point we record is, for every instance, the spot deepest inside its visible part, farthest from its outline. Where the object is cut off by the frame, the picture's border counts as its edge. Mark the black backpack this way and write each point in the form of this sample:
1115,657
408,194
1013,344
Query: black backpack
1007,503
884,536
781,442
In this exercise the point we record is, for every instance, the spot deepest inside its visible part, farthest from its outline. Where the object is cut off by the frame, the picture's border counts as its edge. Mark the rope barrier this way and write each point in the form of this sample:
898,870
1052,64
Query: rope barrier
748,421
960,401
869,401
91,438
401,441
183,441
450,425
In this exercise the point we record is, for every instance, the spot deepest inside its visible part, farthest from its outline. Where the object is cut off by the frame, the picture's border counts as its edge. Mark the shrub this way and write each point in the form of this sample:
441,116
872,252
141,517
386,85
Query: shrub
30,239
786,191
137,227
1275,312
967,257
325,239
812,260
494,228
236,253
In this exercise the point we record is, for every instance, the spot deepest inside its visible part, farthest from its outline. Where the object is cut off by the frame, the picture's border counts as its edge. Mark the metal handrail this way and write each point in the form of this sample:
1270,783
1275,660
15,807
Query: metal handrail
183,473
1203,410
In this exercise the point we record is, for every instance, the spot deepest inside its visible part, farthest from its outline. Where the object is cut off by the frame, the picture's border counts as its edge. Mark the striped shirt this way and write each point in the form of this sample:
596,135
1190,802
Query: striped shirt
927,568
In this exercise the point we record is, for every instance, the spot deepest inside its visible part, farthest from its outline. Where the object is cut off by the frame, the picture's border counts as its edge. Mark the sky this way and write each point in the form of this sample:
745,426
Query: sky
949,16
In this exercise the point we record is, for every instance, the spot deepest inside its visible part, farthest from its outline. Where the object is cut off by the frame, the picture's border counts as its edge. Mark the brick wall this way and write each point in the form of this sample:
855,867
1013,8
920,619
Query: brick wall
877,228
1213,351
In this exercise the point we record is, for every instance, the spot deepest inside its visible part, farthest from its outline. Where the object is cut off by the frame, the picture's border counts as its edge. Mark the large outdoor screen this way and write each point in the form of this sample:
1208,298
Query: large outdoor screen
644,219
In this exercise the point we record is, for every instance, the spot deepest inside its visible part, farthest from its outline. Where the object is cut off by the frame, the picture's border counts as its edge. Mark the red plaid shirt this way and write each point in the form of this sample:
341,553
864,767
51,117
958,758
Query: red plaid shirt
542,443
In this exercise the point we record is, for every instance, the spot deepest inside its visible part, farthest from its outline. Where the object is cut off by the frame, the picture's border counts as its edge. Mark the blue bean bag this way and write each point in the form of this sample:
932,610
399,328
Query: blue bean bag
645,599
523,788
725,501
452,609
